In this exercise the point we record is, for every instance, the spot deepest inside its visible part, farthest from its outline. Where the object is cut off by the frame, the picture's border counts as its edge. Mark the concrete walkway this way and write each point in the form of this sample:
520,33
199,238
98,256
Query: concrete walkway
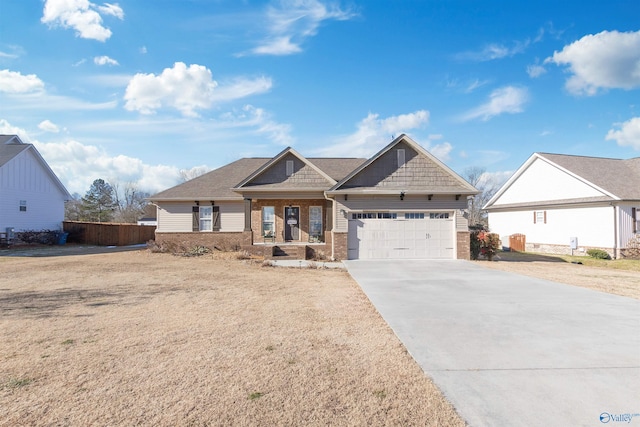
510,350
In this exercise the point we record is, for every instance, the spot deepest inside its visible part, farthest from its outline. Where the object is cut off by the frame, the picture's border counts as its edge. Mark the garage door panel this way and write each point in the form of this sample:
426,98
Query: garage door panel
413,238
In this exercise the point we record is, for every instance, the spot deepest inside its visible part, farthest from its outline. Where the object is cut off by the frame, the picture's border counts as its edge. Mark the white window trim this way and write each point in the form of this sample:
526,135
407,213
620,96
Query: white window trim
203,219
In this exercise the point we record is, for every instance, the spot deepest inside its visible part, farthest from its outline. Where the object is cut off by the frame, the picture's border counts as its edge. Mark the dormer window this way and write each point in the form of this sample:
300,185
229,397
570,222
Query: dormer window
289,167
401,159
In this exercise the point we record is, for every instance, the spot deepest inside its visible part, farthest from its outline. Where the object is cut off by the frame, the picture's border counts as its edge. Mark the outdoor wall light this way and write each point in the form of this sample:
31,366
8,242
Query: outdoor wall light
430,196
402,195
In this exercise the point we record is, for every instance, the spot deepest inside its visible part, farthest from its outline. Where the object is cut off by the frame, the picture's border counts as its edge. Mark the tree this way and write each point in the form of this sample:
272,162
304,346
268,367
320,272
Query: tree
98,204
130,202
73,208
488,186
194,172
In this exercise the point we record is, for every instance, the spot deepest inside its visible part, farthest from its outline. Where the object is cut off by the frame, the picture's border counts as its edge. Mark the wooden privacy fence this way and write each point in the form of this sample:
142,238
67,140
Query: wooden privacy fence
517,242
108,234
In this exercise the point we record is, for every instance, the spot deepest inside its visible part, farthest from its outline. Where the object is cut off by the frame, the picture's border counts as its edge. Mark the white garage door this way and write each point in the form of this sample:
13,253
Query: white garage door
413,235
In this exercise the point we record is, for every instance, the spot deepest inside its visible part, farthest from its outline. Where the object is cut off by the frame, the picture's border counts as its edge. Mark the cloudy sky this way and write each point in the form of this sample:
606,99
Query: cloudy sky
135,91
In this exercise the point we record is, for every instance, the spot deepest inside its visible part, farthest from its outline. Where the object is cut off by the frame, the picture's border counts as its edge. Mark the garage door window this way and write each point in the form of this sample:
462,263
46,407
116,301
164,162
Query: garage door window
444,215
374,215
414,215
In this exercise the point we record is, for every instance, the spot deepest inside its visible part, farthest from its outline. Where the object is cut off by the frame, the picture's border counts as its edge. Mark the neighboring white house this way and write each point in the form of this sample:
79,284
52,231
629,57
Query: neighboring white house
31,195
568,204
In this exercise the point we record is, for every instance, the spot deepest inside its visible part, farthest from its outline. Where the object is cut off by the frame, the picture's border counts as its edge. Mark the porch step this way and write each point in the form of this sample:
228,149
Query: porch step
289,252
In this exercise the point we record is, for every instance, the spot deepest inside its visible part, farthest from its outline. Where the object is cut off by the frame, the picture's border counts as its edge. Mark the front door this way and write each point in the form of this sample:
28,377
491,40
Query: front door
291,223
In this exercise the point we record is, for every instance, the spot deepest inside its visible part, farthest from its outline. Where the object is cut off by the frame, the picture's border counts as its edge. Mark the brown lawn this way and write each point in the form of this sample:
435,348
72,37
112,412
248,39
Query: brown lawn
137,338
619,277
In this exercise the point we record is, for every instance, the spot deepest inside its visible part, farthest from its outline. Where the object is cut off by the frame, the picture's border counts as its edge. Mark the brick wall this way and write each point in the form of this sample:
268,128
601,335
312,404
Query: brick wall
279,206
464,245
212,240
340,246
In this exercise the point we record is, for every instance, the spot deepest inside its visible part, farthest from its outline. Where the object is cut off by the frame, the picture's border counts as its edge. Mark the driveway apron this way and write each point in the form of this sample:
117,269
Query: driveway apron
511,350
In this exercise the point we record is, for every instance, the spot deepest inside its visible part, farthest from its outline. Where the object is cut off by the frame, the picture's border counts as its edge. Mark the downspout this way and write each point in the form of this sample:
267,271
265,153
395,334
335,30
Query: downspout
615,231
333,223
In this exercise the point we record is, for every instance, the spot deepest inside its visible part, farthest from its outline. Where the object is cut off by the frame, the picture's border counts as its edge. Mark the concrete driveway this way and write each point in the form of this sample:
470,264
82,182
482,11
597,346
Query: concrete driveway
510,350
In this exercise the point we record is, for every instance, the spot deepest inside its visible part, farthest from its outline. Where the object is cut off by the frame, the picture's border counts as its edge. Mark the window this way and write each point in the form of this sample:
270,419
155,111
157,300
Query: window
414,215
315,222
23,205
374,215
540,217
443,215
206,218
268,221
401,159
289,167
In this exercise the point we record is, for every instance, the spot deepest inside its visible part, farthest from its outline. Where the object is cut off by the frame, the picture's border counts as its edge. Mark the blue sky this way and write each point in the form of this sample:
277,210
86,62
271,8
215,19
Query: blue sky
135,91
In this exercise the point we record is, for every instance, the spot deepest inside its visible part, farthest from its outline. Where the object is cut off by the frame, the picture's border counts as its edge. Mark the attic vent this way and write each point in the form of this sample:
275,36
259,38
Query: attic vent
289,167
400,157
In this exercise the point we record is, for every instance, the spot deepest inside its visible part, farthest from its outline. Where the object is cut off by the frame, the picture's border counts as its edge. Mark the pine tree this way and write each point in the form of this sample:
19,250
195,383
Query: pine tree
98,204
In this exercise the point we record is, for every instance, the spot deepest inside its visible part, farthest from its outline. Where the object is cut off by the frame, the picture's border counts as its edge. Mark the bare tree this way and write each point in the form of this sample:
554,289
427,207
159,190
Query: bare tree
488,186
73,208
194,172
130,202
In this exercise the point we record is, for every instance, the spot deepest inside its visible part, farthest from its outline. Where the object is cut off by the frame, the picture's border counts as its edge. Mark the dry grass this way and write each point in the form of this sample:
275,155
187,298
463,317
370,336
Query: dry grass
618,277
152,339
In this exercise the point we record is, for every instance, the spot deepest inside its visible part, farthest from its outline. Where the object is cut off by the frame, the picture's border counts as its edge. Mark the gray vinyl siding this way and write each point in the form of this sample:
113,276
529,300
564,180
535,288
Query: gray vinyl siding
393,203
626,223
177,217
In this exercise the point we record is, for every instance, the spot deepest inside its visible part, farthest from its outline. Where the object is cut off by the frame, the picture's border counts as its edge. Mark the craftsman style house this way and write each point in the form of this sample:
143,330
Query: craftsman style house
402,203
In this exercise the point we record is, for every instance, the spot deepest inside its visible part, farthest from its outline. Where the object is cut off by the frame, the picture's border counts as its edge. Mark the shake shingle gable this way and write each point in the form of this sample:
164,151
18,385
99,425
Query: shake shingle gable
219,183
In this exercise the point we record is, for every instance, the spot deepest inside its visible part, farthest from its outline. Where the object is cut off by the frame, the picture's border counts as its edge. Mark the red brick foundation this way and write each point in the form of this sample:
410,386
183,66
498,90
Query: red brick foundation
211,240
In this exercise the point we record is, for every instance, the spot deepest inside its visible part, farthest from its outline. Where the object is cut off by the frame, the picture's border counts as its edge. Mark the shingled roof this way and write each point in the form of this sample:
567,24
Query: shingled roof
619,177
219,183
9,150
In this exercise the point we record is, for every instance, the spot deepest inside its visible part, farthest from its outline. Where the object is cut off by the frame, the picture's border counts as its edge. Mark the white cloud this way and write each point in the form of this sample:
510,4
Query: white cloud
627,135
14,82
104,60
535,70
475,85
606,60
81,15
143,50
493,51
7,129
291,22
48,126
187,89
260,120
508,99
373,132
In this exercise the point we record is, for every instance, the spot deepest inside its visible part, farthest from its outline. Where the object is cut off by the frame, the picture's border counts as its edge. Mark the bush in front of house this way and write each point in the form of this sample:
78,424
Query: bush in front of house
598,254
485,244
43,237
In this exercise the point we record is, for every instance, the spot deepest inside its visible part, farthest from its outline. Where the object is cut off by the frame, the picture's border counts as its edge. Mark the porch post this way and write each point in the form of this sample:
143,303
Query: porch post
247,214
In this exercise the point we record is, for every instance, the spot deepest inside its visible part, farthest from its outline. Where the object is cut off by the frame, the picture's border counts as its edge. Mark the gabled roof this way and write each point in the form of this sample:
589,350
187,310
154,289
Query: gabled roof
270,164
616,179
214,185
455,183
11,146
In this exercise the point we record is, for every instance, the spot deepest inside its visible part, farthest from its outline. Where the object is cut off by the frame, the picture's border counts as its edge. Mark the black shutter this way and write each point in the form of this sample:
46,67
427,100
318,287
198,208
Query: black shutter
195,226
634,219
534,217
216,218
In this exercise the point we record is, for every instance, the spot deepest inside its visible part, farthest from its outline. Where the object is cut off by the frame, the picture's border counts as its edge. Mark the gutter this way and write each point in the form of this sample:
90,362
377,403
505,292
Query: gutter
615,231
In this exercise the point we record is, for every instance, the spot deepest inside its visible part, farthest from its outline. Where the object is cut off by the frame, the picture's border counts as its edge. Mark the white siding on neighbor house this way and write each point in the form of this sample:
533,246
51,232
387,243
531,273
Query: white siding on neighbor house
178,217
626,223
23,178
361,203
592,226
542,181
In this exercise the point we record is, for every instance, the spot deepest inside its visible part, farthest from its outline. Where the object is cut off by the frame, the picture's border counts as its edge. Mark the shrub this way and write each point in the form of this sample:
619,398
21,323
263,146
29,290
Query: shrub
44,237
475,244
598,254
487,244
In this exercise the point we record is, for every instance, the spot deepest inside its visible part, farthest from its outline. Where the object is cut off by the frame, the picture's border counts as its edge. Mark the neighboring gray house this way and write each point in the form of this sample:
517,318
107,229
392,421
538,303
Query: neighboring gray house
402,203
558,200
31,195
